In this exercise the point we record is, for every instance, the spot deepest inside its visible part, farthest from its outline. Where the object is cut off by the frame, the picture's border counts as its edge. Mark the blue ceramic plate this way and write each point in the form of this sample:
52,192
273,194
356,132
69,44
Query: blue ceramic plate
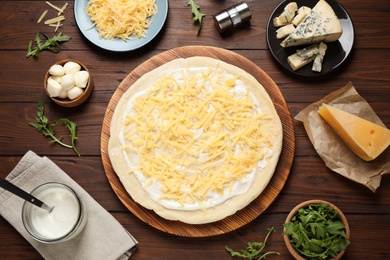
337,52
86,27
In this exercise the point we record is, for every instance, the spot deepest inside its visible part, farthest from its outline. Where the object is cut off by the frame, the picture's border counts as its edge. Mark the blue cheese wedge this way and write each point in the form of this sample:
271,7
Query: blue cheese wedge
308,52
317,64
303,11
302,57
321,24
287,15
284,31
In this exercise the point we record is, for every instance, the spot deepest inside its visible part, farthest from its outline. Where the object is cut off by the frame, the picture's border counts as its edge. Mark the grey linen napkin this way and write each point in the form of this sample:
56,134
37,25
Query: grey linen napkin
103,237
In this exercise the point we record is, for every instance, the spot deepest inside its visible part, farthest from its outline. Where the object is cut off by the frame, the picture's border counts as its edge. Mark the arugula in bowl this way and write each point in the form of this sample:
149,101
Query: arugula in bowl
316,230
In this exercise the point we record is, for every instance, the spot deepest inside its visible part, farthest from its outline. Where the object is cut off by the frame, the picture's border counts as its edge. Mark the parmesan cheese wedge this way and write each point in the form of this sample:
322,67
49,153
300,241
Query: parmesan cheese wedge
366,139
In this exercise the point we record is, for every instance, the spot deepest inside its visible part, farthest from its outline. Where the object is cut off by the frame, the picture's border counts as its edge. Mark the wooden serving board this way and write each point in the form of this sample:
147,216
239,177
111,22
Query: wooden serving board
254,209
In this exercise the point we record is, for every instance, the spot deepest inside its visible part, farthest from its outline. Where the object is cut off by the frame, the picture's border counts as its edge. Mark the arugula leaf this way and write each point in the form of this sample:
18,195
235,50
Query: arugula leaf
42,125
72,127
51,44
316,232
198,16
254,250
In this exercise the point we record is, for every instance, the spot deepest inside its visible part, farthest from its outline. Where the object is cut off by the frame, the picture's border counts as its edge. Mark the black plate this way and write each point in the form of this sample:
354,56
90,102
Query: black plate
336,53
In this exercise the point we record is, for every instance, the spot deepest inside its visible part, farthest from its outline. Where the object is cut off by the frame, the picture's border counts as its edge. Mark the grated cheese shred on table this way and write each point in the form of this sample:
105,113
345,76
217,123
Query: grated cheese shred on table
121,19
196,135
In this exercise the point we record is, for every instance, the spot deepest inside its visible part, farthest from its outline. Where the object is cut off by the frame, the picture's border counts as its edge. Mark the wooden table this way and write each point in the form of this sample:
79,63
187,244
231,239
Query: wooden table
21,84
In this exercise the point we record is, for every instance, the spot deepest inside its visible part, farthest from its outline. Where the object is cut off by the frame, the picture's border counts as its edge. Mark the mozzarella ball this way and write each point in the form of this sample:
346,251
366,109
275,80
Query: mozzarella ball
81,78
74,93
67,81
53,87
56,78
57,70
63,94
71,67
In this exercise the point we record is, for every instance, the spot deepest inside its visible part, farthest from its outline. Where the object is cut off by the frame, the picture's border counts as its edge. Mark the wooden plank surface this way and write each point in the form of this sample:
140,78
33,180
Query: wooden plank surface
21,84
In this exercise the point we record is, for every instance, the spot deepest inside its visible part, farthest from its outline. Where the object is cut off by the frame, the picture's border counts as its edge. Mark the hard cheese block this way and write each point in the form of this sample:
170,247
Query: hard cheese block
321,24
366,139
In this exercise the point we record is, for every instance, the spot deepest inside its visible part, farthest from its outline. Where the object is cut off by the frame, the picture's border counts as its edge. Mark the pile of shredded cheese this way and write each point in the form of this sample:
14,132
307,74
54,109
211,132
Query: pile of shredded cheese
196,136
121,18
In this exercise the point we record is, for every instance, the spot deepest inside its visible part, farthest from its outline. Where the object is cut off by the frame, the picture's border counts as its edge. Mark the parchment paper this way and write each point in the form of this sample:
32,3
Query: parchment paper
335,153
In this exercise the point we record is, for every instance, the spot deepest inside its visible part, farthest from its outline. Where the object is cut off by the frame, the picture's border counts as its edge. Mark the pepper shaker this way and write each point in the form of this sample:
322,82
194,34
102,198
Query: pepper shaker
232,17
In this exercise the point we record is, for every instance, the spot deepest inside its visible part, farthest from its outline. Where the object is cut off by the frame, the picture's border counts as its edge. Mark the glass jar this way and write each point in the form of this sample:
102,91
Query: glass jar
64,222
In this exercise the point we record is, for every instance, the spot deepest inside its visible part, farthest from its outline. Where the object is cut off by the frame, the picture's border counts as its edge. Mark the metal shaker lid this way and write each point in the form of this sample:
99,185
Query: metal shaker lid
244,12
223,22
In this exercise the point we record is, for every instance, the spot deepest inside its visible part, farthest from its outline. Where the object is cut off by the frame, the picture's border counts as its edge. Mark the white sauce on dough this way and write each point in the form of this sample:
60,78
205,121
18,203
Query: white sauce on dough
213,198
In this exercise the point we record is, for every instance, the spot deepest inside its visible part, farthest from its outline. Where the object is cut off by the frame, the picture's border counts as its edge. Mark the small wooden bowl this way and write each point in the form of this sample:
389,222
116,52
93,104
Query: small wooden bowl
66,102
294,211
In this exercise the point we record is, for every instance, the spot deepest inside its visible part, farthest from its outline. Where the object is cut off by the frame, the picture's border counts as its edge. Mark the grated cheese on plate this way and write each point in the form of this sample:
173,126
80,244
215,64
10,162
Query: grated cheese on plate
121,18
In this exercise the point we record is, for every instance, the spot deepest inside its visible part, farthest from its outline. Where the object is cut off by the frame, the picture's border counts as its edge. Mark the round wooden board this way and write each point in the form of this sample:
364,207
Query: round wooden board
254,209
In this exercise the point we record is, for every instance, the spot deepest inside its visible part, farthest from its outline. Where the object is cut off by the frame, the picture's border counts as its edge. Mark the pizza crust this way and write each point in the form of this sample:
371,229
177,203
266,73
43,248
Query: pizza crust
230,206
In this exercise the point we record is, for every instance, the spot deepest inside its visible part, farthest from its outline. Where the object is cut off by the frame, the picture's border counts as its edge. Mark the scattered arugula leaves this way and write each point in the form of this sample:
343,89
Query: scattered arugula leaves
254,250
51,44
42,125
198,16
317,232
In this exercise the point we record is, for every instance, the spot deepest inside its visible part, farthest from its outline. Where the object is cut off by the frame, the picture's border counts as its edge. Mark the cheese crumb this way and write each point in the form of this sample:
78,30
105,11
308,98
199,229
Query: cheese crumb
61,11
55,7
42,16
56,21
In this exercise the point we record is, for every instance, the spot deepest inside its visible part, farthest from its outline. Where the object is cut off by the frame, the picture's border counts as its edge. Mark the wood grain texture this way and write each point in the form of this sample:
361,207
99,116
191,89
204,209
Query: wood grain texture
241,217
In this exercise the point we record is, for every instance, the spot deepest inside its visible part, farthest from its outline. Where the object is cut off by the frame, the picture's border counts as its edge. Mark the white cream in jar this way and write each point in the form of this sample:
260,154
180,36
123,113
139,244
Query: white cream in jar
64,222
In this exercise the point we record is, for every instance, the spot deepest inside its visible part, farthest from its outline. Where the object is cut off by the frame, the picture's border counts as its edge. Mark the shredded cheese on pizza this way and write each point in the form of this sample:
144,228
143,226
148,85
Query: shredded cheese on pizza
121,18
195,134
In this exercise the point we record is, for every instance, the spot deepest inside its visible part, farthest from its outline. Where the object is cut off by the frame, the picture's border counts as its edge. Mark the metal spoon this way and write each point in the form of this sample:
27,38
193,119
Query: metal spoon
24,195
